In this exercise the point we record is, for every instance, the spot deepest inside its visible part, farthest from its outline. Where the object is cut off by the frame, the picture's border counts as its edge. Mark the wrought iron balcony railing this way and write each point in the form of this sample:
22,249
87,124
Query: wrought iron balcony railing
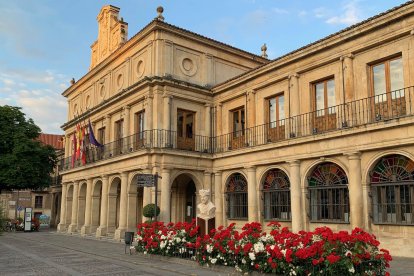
384,107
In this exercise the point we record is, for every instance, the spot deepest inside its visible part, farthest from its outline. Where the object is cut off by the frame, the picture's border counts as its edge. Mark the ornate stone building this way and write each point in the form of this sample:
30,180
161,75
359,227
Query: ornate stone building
320,136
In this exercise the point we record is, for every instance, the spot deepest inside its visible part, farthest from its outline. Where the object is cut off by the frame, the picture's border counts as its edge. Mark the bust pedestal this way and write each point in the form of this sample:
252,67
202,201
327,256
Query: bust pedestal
206,225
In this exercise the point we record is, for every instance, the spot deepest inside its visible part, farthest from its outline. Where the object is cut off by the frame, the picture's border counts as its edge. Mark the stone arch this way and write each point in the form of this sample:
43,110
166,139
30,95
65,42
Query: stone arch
327,192
310,168
226,177
391,188
69,202
135,201
81,203
374,160
96,204
275,203
114,198
236,195
184,195
264,172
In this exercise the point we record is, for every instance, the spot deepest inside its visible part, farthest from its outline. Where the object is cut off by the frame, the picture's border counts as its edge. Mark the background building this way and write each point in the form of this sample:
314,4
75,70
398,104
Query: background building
43,201
320,136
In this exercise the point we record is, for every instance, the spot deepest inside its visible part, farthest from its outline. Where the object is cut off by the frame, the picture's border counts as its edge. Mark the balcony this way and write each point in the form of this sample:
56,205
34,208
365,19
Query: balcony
375,109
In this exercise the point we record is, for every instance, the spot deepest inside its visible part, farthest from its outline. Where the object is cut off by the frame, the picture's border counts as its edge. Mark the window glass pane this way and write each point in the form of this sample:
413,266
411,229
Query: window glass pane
236,123
281,108
320,98
396,78
272,111
331,95
180,122
378,72
242,121
189,125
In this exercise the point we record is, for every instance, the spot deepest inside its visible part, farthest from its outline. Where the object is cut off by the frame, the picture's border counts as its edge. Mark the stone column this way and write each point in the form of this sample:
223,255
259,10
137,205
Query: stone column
294,106
218,198
219,118
295,196
207,181
107,129
251,194
167,120
348,67
75,199
86,228
356,206
127,120
148,112
123,208
102,229
165,214
62,224
207,128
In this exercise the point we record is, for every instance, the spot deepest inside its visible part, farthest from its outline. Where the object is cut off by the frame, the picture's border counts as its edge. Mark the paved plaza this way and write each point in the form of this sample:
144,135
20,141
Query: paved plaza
50,253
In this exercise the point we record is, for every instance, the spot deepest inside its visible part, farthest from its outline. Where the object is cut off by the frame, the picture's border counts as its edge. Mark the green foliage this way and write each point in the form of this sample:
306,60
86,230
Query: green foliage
25,163
3,219
149,211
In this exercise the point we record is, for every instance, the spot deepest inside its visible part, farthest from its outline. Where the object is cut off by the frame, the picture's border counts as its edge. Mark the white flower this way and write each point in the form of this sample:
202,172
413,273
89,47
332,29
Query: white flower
213,261
243,261
252,256
209,248
163,237
162,244
283,252
352,269
272,247
258,247
316,238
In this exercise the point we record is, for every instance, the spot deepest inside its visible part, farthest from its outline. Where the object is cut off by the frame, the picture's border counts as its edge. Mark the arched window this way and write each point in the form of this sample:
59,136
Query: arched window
276,195
328,194
392,190
236,195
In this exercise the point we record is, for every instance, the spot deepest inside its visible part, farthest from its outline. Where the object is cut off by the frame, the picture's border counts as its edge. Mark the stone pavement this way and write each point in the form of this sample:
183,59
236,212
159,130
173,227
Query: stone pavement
49,253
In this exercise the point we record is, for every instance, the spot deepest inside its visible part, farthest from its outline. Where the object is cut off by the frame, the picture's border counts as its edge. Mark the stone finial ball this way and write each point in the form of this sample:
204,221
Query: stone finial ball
160,9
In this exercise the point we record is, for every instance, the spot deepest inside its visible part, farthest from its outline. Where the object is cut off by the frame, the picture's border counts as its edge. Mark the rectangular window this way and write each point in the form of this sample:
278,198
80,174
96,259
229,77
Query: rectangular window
101,135
324,106
119,125
185,129
276,118
276,110
38,201
140,123
238,122
387,78
324,97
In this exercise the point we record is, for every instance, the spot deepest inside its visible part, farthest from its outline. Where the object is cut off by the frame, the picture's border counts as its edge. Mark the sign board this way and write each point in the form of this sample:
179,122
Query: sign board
20,208
28,219
44,221
145,180
12,202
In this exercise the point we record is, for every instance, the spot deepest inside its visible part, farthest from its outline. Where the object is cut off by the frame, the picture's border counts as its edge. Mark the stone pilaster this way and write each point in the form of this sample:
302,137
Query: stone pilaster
75,199
102,229
86,228
119,233
165,214
218,198
62,224
356,206
296,196
251,194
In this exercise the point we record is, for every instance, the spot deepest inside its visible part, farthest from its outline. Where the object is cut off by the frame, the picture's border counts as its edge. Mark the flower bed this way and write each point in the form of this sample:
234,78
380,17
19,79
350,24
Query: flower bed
280,251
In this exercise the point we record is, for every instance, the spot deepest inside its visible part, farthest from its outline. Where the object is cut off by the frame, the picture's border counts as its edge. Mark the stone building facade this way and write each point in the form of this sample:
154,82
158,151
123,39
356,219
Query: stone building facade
320,136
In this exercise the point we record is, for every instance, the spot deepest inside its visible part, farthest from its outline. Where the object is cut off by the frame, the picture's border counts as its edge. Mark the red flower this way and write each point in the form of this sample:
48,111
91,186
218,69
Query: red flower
332,258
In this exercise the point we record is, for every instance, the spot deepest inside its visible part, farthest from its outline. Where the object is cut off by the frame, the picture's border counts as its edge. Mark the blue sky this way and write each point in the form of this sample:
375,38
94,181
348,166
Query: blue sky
44,43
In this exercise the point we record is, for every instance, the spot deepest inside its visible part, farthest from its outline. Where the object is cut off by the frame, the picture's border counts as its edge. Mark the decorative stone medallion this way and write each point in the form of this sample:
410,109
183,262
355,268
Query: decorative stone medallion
140,68
188,67
119,81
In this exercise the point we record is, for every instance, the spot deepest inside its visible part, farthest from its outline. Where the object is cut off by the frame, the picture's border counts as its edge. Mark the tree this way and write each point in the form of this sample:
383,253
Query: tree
25,162
149,211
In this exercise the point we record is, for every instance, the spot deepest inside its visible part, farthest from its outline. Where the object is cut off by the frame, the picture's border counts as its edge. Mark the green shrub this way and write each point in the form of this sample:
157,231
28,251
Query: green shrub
149,211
